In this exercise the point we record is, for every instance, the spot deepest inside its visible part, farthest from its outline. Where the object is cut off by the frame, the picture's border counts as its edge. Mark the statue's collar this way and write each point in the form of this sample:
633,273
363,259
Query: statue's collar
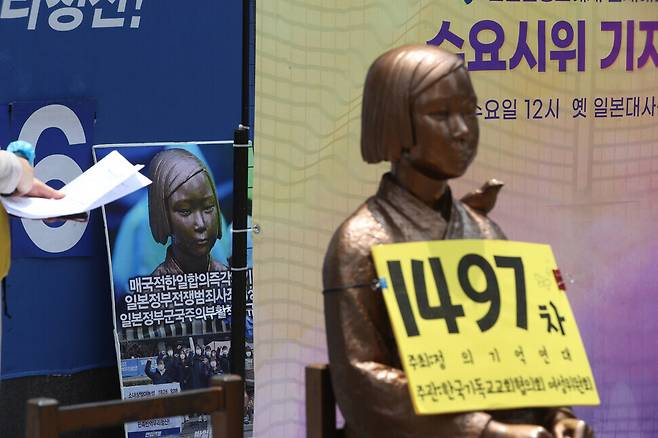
390,190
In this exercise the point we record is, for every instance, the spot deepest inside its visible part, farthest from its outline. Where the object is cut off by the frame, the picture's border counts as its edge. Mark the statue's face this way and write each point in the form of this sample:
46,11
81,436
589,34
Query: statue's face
193,217
446,128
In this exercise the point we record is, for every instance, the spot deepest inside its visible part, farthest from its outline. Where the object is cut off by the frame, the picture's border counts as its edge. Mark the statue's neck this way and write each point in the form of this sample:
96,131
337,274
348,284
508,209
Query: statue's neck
189,263
428,190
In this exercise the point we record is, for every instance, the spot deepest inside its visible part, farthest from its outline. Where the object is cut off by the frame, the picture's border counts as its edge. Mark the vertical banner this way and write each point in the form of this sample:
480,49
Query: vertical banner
170,252
128,71
567,95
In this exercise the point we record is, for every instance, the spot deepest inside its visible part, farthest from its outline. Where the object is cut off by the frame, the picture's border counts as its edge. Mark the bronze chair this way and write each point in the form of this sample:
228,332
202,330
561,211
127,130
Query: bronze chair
320,404
223,401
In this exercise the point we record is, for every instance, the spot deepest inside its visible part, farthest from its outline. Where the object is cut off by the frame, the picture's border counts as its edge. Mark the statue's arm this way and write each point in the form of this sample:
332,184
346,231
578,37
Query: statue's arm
370,387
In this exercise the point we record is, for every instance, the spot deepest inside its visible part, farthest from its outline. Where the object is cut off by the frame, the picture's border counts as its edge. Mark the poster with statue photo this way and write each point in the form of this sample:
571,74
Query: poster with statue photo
169,246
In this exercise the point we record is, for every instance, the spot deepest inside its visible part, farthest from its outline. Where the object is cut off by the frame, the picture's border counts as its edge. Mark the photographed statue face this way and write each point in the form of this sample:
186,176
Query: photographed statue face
193,217
445,127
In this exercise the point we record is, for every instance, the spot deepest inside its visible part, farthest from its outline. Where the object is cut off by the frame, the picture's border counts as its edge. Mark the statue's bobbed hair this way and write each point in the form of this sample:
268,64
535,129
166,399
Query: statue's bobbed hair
169,170
393,83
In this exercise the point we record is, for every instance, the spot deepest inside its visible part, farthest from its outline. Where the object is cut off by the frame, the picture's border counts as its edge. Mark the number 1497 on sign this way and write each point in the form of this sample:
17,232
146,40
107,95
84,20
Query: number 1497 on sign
448,311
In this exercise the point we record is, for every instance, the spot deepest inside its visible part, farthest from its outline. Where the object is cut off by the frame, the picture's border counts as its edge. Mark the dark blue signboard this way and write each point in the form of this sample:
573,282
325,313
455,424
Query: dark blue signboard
130,71
4,126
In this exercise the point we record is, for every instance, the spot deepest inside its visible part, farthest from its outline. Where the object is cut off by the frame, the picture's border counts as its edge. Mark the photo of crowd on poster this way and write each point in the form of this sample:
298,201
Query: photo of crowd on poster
190,363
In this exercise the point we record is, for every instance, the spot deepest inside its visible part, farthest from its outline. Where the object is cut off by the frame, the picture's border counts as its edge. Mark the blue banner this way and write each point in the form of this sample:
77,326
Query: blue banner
4,126
165,70
135,367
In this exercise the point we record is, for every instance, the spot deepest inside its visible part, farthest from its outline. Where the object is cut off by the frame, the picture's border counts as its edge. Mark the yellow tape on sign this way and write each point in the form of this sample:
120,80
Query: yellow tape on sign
483,324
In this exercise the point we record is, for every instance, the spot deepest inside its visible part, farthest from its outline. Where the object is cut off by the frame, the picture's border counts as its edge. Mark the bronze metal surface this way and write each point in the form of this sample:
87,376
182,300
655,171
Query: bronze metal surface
425,99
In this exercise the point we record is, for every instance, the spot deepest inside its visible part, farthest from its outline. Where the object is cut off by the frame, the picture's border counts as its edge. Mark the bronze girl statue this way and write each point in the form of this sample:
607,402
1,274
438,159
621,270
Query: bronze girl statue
419,114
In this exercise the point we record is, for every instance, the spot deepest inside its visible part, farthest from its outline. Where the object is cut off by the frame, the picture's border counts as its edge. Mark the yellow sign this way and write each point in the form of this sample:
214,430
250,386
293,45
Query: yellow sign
483,324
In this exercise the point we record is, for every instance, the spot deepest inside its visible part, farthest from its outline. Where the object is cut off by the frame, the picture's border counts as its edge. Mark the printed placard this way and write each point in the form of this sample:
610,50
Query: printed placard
158,426
170,251
483,324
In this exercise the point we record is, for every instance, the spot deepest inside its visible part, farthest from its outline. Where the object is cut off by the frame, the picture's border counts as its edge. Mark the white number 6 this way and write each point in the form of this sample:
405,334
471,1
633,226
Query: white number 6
54,167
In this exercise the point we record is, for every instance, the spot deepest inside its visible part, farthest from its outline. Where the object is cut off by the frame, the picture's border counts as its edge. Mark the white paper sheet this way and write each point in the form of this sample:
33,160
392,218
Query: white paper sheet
111,178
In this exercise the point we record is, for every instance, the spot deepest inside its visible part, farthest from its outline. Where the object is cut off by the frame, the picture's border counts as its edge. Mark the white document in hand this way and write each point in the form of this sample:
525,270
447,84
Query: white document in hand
108,180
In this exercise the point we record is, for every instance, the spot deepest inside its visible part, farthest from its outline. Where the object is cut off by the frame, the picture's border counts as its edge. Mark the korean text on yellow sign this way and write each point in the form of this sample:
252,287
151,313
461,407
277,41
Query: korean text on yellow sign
483,324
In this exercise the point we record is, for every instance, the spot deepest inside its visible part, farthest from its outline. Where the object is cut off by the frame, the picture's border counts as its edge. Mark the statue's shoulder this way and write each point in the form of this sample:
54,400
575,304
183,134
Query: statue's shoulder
348,253
359,231
162,269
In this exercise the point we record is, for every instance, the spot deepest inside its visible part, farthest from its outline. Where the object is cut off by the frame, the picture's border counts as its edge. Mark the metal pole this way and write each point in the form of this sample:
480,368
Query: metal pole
240,205
239,255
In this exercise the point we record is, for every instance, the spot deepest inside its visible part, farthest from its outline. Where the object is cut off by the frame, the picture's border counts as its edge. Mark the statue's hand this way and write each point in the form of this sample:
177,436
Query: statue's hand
572,428
502,430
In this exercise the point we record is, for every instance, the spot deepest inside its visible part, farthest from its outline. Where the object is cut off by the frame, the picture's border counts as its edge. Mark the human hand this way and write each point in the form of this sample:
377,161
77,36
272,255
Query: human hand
33,187
502,430
572,428
40,190
27,178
